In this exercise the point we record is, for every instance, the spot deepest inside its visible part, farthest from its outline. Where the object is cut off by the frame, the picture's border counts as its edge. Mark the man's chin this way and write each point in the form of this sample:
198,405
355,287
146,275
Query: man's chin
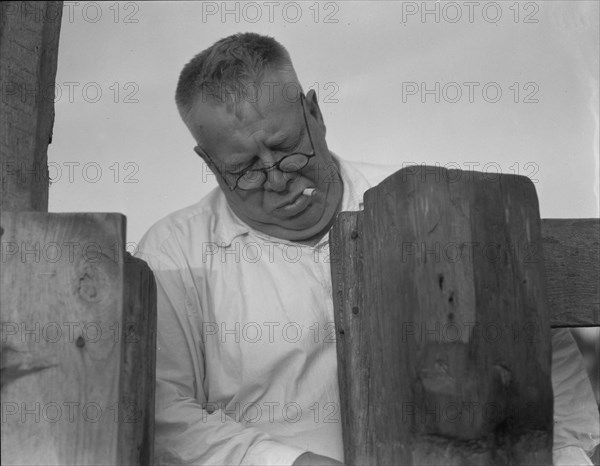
307,219
305,224
294,230
299,218
308,224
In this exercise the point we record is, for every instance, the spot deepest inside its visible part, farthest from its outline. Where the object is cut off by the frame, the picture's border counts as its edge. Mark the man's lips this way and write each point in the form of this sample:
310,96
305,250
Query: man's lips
294,205
290,201
294,208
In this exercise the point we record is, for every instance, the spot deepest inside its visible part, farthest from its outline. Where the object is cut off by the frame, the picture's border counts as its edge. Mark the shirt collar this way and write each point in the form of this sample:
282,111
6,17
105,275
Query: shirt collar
229,226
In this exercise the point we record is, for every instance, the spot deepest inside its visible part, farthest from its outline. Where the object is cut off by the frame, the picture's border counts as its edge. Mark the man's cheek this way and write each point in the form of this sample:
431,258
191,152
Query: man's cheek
328,174
289,176
312,174
264,208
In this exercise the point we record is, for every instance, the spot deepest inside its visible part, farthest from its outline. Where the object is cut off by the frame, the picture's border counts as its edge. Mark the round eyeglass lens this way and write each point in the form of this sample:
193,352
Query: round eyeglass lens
293,163
251,179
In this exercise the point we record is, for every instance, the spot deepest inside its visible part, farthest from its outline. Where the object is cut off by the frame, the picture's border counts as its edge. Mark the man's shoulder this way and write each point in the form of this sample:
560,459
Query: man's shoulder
373,173
195,221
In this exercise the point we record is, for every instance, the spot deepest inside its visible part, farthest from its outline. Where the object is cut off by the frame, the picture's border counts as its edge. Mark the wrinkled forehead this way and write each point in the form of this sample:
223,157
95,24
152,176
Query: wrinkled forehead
273,107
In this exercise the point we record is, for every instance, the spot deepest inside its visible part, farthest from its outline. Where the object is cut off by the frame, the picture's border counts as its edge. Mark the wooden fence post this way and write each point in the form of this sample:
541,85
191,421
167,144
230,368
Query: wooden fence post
78,342
138,364
444,332
78,314
29,33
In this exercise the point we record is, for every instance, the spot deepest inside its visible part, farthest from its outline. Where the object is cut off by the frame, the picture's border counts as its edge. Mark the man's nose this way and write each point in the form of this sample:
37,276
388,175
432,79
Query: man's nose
277,180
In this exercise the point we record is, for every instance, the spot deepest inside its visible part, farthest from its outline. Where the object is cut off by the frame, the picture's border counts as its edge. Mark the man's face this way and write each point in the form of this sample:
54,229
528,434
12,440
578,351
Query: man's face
258,135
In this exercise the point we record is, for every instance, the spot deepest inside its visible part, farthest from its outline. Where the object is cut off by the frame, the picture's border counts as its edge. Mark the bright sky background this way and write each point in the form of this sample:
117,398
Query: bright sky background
126,150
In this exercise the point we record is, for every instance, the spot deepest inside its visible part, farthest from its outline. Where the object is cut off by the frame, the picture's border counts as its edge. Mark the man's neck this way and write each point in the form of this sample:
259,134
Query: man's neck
314,240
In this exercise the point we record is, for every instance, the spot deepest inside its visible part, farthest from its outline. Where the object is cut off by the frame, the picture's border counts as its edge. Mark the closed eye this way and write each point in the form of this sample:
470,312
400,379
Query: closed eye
288,148
241,168
282,147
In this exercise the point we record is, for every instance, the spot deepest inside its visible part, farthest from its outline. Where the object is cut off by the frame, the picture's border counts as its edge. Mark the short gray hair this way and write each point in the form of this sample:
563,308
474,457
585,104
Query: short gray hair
225,71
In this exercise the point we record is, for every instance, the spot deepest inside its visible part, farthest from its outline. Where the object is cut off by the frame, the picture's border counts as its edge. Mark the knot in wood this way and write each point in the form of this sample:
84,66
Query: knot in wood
87,287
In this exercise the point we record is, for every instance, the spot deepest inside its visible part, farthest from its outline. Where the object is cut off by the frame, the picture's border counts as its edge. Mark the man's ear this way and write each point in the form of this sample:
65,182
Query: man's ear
198,150
312,106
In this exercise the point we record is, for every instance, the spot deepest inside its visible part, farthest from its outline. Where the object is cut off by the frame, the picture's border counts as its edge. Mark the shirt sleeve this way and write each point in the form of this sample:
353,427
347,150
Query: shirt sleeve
186,432
576,422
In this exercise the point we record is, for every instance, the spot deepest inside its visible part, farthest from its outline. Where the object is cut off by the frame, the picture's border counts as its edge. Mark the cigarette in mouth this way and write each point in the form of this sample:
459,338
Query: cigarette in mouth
310,192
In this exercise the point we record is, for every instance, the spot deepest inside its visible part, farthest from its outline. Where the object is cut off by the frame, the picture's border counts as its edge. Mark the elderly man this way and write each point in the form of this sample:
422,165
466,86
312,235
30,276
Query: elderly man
246,362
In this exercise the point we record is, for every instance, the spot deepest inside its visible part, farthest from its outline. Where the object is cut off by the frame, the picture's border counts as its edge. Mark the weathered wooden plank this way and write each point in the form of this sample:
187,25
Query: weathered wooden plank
29,33
444,265
77,345
136,438
62,299
352,352
347,276
572,262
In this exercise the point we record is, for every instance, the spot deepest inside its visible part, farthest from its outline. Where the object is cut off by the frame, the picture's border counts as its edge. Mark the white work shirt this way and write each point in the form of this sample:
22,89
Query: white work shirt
246,355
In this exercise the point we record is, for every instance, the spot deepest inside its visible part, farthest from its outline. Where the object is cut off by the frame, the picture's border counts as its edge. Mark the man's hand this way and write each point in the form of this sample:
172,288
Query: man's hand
312,459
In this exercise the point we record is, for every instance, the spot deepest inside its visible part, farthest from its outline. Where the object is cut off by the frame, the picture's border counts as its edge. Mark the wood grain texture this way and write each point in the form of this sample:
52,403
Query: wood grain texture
76,344
572,263
138,369
29,33
353,367
454,313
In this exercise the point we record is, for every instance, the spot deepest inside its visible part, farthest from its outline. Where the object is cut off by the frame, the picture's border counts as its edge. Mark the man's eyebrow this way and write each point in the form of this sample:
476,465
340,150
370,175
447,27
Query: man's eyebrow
289,140
236,166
